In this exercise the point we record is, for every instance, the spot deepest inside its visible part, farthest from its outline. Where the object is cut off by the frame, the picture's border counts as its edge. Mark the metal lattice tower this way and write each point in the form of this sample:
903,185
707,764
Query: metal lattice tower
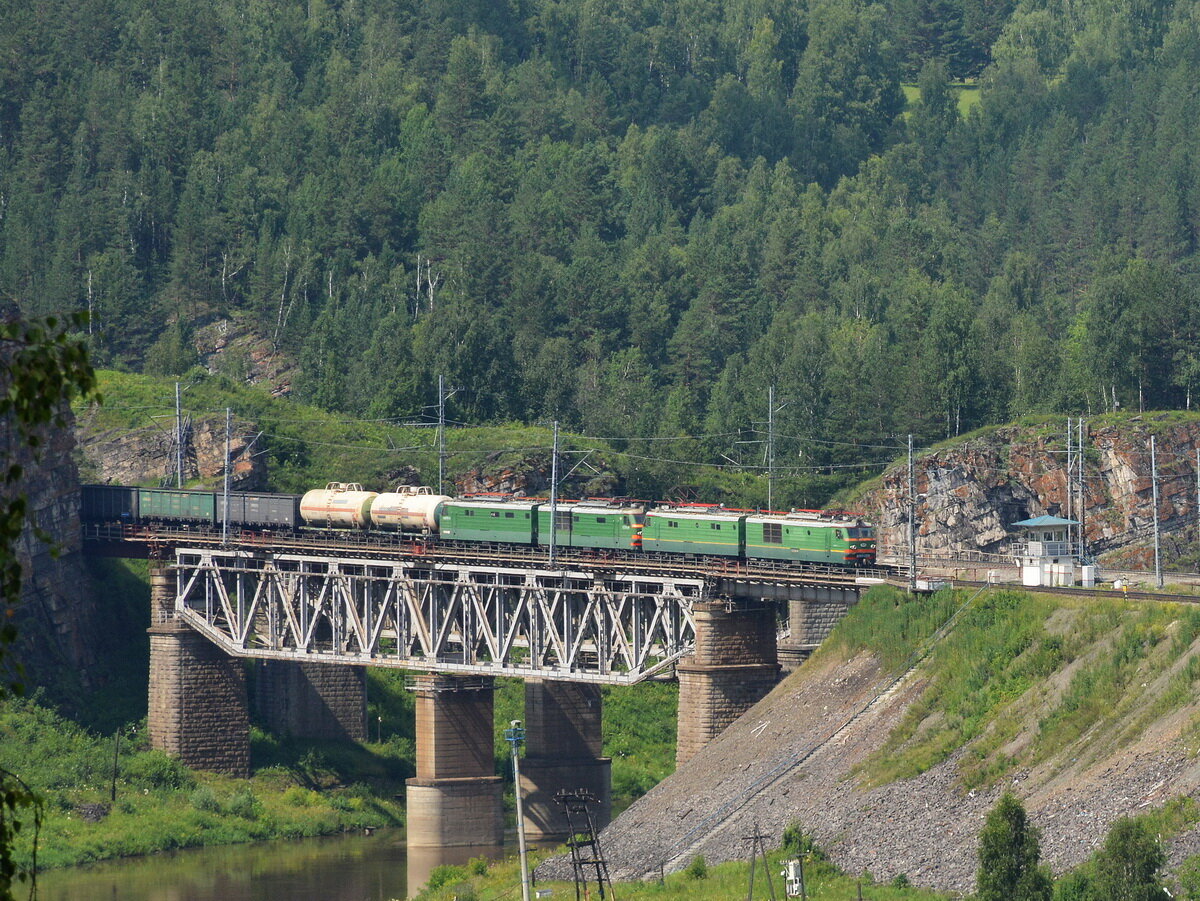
584,843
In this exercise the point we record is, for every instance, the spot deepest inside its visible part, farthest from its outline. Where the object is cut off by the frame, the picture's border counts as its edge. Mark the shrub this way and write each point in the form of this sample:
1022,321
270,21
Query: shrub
697,869
204,799
155,770
244,804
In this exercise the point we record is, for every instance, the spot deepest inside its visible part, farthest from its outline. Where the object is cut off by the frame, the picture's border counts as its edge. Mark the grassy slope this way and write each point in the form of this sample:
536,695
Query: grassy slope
1023,677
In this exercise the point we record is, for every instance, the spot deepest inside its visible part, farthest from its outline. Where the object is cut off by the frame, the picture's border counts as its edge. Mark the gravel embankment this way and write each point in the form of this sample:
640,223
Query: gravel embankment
925,827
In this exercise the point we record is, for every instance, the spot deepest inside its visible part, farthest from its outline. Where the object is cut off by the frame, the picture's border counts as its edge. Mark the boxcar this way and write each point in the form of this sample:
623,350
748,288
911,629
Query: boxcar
471,519
593,524
248,508
695,530
108,503
809,537
176,505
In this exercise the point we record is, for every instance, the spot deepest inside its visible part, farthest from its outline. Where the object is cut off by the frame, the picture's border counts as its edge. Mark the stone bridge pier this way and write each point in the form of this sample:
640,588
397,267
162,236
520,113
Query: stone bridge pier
562,752
198,700
813,611
197,706
455,798
733,667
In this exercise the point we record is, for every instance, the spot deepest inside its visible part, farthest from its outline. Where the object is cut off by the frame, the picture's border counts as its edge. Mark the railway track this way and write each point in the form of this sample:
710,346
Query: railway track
160,542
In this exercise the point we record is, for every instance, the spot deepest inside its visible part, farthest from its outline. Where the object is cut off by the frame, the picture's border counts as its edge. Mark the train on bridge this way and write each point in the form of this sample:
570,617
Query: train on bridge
802,536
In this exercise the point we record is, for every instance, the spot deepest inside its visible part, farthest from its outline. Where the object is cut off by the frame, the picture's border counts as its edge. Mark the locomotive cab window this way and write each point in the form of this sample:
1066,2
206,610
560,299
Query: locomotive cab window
495,513
599,519
837,533
772,533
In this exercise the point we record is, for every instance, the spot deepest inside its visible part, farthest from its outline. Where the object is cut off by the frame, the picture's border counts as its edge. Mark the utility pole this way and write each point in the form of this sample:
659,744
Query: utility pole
178,440
225,517
441,427
1070,473
514,736
554,493
1198,494
770,446
1158,577
912,520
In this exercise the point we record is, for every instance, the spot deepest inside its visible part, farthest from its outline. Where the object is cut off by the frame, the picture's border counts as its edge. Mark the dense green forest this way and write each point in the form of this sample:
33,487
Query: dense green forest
632,217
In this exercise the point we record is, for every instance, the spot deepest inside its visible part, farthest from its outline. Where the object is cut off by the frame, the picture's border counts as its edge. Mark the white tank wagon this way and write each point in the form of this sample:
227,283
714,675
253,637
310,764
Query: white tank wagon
342,504
409,508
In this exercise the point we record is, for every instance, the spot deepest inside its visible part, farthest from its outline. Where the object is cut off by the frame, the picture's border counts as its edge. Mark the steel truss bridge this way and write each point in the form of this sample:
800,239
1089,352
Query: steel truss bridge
456,618
478,611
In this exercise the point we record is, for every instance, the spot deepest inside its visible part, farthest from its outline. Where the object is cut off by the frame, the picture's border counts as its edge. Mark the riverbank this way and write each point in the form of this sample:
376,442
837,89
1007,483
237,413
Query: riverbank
105,797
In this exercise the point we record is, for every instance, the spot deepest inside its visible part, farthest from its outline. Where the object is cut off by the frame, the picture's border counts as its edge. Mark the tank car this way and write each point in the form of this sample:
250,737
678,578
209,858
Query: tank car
342,504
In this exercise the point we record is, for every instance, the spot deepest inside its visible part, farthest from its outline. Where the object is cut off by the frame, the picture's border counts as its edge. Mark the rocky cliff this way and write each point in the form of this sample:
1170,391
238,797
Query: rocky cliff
969,493
56,618
147,456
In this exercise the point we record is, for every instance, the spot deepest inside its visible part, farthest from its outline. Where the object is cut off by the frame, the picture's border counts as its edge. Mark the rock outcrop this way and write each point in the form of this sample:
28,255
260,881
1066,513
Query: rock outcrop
56,617
147,455
969,494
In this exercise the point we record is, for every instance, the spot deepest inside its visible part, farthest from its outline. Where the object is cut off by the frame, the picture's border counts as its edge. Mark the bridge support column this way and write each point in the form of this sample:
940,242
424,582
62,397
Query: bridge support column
810,621
455,798
734,666
312,700
197,710
563,751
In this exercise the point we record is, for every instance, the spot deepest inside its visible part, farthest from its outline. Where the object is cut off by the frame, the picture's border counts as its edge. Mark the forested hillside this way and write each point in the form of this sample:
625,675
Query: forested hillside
631,217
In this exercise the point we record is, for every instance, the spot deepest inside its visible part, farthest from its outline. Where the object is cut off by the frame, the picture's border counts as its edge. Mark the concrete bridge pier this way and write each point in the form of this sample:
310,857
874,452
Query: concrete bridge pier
455,798
197,705
810,620
734,666
563,751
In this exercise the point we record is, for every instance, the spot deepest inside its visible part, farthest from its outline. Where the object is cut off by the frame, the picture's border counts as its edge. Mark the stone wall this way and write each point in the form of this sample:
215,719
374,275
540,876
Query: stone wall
312,700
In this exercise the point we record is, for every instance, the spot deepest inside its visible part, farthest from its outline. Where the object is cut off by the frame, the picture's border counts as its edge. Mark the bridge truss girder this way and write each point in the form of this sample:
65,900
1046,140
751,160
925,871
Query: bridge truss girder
593,625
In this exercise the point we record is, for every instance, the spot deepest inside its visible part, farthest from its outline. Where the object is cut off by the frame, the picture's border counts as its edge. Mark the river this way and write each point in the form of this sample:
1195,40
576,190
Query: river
346,868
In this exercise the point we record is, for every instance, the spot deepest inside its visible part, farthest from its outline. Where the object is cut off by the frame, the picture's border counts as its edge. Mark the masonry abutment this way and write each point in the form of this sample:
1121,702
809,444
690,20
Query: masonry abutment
563,751
455,798
810,621
197,703
734,666
312,700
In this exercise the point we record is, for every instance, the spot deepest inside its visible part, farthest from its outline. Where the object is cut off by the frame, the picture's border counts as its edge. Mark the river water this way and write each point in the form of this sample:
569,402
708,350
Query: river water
345,868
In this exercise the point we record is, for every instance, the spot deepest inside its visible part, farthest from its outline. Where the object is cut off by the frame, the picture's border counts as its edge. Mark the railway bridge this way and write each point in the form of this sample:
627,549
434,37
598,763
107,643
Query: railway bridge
316,609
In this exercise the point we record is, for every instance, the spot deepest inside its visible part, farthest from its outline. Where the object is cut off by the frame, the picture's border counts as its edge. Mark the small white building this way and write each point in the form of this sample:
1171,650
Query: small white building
1045,553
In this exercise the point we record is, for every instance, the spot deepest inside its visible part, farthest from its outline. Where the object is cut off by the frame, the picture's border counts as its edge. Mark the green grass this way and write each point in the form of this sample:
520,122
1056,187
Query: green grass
1022,677
720,882
160,804
967,93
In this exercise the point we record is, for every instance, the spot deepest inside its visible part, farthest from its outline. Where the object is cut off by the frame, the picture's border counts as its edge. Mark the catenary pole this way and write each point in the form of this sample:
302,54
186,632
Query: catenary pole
441,433
178,440
1070,472
1158,577
770,447
912,519
554,494
225,512
1082,493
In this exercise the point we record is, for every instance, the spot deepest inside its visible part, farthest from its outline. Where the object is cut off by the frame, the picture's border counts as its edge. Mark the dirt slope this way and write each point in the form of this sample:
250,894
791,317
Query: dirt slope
791,758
